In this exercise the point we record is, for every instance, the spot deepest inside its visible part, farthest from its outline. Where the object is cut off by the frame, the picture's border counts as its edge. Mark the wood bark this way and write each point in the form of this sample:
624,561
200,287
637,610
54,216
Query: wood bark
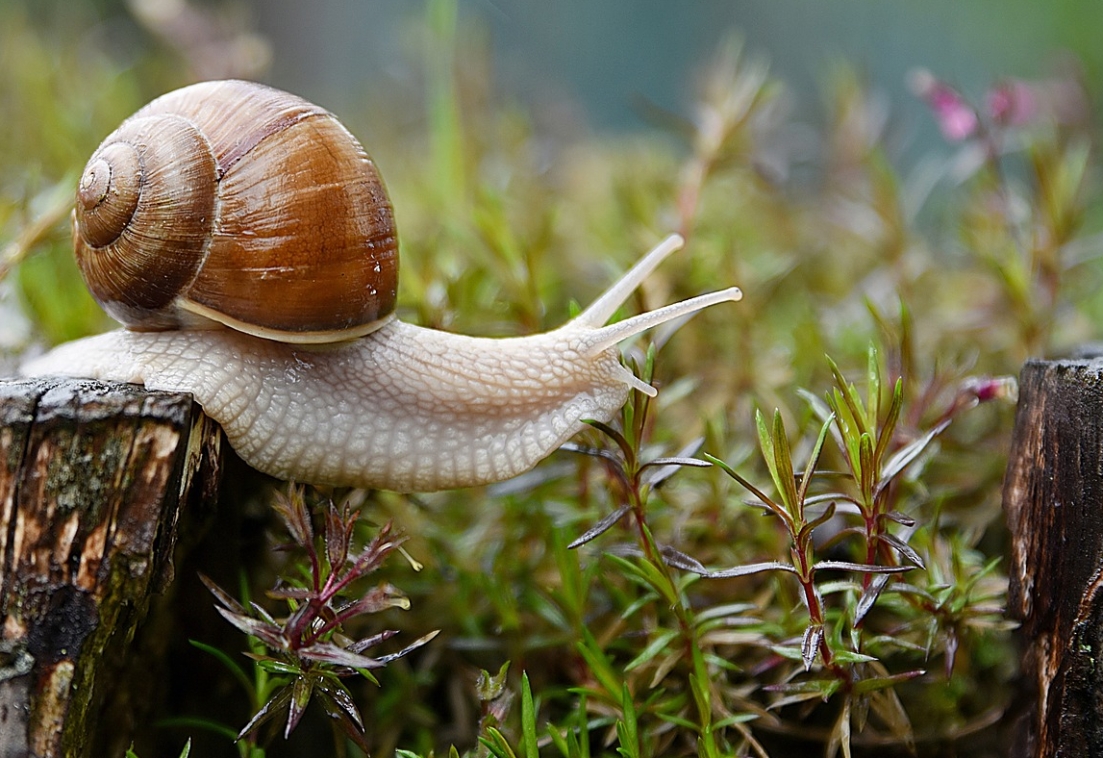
1053,498
93,481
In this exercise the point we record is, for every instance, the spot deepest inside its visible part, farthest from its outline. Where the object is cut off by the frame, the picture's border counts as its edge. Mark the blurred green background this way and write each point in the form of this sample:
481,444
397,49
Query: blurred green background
606,57
576,69
600,61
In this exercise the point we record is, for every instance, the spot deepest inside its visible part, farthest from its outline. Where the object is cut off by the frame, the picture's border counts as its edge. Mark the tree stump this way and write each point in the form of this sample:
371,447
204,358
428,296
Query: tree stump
93,481
1053,498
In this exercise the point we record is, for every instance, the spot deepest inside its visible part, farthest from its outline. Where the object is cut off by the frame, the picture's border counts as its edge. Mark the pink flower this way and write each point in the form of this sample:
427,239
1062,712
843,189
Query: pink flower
1011,102
956,118
986,388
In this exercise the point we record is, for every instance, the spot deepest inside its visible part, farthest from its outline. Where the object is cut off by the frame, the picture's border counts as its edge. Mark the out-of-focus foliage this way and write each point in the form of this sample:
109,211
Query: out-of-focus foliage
74,72
834,582
63,91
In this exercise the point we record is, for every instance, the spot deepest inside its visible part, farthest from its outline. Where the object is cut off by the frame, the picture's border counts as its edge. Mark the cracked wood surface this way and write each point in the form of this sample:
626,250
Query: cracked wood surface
93,479
1053,499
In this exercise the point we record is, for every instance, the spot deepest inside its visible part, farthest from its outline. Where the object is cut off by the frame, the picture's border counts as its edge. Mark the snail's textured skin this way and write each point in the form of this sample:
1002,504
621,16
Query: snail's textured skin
404,408
397,410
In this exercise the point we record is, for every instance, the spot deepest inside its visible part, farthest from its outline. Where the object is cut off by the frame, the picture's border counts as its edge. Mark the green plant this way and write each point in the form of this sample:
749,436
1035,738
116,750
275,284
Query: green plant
308,651
864,432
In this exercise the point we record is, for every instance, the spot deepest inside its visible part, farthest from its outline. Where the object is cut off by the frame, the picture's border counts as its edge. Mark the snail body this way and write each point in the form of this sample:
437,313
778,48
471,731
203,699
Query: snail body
368,401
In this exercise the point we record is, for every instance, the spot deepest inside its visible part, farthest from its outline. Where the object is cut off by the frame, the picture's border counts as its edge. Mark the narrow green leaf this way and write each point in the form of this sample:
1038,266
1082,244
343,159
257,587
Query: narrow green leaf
866,470
882,682
788,652
735,718
813,459
649,365
706,743
700,682
810,526
873,387
656,646
785,478
528,719
849,395
907,344
677,720
821,688
598,664
497,744
583,727
766,444
628,422
849,430
659,581
566,745
884,438
274,666
850,656
627,727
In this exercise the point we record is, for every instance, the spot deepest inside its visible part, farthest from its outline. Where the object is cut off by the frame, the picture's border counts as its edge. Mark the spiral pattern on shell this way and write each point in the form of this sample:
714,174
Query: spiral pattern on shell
240,203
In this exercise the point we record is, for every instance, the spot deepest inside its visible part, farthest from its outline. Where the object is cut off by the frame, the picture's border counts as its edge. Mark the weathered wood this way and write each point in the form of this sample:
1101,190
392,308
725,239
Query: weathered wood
1053,498
93,480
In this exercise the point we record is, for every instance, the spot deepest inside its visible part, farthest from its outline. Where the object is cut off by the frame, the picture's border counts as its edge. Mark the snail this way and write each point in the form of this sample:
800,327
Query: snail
245,240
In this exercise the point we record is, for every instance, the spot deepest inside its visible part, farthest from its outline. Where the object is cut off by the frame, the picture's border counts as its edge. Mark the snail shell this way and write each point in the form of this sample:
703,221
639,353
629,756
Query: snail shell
243,204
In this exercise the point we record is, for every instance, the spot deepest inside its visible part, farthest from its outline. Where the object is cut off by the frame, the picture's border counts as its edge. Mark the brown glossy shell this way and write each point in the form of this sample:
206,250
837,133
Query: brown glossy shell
239,203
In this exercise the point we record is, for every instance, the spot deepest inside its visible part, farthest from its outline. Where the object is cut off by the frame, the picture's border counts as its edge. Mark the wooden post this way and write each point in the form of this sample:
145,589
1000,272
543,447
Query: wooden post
1053,498
93,480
